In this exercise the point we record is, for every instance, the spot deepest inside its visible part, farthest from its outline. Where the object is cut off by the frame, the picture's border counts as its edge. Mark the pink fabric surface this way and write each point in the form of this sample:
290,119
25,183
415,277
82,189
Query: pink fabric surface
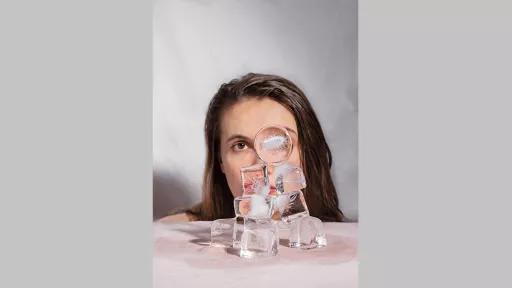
183,258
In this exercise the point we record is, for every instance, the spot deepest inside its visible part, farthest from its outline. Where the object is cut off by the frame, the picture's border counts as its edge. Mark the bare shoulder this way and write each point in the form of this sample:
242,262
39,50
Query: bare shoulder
180,217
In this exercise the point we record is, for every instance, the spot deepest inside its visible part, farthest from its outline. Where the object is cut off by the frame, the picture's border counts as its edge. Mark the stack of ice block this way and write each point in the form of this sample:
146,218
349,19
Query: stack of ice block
262,211
272,199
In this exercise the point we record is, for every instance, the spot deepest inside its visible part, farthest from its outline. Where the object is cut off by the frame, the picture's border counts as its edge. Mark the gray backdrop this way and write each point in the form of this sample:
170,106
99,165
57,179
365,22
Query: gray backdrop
198,45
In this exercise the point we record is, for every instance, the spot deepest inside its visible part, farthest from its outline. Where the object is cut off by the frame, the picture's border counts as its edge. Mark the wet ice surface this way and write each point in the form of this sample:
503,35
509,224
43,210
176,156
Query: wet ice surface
184,258
189,243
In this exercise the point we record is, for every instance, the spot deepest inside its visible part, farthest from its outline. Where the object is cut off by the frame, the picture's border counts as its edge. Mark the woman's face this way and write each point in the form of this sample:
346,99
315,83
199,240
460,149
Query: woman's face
239,125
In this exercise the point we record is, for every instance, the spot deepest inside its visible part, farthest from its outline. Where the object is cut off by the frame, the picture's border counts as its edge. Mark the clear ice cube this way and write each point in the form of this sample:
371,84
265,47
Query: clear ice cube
294,180
254,206
291,205
222,233
255,180
289,178
306,233
259,238
271,180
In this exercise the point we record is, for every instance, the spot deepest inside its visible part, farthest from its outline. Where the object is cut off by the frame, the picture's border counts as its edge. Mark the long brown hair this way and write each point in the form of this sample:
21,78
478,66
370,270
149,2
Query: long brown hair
320,193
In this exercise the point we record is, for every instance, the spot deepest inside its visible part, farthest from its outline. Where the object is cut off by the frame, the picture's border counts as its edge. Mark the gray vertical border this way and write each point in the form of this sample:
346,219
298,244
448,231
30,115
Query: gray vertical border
75,156
435,143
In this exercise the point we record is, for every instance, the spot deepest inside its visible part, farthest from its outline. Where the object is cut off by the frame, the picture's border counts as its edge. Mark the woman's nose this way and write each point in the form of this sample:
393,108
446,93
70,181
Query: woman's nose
255,159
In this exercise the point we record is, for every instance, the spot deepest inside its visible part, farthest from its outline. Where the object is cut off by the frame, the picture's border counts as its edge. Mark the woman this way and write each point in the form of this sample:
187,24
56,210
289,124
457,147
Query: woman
235,114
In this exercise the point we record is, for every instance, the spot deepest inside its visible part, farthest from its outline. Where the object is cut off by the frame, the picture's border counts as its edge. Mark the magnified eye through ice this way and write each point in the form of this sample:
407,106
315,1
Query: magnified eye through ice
275,142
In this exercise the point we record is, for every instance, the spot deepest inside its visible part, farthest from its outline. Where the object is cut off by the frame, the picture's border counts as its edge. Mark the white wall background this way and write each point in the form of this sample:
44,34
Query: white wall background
199,44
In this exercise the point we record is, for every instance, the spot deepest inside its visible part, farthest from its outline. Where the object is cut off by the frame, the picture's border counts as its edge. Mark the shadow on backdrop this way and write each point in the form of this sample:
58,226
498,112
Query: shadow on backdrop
169,192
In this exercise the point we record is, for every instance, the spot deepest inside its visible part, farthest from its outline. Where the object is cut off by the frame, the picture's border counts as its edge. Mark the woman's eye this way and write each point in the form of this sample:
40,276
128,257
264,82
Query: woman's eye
239,146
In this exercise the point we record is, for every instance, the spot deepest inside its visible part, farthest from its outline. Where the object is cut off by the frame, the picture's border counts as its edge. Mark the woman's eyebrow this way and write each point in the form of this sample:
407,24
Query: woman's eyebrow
237,136
242,137
290,130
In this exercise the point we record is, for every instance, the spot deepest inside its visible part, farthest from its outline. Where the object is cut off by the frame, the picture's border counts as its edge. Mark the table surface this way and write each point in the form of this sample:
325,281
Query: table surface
183,258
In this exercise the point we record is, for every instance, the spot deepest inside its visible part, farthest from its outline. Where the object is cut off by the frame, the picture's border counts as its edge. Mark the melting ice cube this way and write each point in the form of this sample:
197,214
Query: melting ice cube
307,233
259,238
222,232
